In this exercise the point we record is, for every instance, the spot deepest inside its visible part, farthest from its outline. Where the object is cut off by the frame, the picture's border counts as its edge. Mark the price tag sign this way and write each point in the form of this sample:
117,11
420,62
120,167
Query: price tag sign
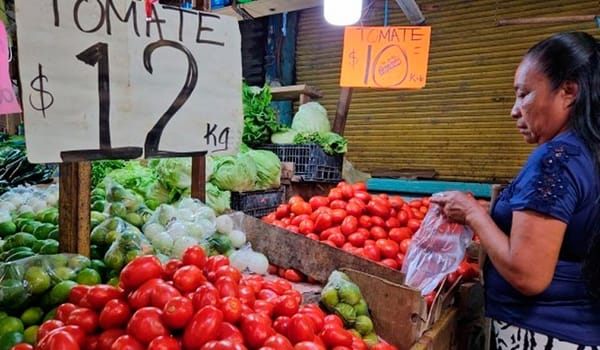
385,57
8,99
103,81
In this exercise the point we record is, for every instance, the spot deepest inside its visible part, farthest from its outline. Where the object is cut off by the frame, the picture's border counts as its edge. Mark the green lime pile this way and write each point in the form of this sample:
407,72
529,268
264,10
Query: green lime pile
342,297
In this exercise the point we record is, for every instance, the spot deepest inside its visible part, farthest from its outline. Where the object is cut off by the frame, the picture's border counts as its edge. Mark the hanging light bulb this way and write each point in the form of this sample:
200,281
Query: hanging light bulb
342,12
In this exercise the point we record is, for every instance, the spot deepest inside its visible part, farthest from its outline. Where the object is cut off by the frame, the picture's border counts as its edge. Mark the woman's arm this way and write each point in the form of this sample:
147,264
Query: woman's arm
527,258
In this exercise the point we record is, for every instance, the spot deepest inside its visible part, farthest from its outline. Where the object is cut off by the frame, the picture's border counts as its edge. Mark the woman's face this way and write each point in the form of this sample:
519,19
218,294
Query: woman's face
541,113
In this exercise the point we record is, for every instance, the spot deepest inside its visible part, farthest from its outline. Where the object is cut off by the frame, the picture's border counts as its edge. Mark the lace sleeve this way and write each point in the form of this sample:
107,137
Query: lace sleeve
549,185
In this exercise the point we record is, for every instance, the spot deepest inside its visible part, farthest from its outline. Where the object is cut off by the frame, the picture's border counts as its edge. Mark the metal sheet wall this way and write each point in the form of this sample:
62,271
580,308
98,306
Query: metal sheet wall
459,125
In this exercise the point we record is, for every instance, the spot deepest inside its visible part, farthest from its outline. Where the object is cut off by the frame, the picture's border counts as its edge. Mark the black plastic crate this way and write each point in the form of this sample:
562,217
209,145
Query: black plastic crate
257,203
311,163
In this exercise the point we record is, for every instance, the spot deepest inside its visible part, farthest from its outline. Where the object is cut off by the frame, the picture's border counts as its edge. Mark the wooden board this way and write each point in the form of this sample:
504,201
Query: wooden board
292,92
261,8
441,336
74,207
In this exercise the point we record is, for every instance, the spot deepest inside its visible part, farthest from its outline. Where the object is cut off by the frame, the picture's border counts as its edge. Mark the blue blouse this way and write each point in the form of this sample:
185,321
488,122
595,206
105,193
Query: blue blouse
558,180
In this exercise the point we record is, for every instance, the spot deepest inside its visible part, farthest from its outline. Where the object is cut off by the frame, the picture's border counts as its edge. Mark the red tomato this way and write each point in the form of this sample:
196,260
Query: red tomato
279,285
282,211
77,293
308,345
287,305
269,219
162,293
391,263
115,314
404,245
22,346
389,249
127,342
292,228
227,331
246,295
293,275
85,318
415,203
322,222
194,255
281,324
58,339
267,294
383,346
371,252
48,327
354,209
142,296
396,201
256,329
296,220
316,315
254,281
300,208
392,222
295,198
222,345
349,225
378,232
359,186
363,196
329,243
213,263
188,278
318,202
206,295
365,221
231,308
333,336
335,194
452,277
360,203
430,298
63,311
338,215
347,191
377,221
177,312
91,342
75,331
227,287
332,320
203,327
466,271
170,267
358,344
108,337
307,226
279,342
338,239
399,234
377,209
327,233
164,343
417,213
400,259
264,307
146,324
413,224
338,204
402,217
300,329
140,270
229,271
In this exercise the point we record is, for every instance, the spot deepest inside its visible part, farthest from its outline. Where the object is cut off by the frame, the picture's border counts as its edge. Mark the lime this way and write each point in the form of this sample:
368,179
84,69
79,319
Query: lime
99,266
49,315
98,205
54,234
10,339
10,324
112,223
7,228
98,235
371,339
98,216
32,316
132,254
114,260
27,215
30,334
38,279
346,312
363,325
14,293
98,192
60,292
43,230
50,247
58,260
355,332
117,209
111,236
349,293
79,262
114,281
88,276
134,219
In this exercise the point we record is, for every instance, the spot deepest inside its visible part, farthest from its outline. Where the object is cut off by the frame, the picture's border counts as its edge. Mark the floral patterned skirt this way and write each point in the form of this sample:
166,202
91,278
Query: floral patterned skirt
508,337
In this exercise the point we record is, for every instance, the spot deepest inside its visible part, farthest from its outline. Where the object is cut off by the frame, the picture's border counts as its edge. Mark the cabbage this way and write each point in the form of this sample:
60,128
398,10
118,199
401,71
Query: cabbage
219,201
175,173
284,137
235,173
134,176
311,118
268,169
156,194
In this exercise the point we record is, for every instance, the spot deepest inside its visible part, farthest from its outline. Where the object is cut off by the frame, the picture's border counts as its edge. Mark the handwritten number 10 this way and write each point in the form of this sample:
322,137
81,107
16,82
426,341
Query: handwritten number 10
97,54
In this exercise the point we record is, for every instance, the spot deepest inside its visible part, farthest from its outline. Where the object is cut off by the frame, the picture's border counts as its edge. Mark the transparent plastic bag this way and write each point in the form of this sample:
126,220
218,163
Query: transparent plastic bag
437,249
130,242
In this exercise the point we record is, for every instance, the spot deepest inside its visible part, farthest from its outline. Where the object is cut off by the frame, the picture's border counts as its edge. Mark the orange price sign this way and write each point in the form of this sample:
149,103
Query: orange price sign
385,57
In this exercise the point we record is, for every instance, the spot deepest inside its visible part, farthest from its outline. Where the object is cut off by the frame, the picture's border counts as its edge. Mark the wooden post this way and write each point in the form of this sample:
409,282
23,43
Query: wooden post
199,178
341,115
74,207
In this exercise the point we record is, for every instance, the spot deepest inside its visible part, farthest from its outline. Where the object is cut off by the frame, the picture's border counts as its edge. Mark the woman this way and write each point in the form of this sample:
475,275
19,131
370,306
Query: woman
542,275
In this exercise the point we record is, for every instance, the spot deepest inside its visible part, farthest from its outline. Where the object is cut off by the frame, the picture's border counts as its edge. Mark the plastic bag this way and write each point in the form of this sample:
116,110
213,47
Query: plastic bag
437,249
129,244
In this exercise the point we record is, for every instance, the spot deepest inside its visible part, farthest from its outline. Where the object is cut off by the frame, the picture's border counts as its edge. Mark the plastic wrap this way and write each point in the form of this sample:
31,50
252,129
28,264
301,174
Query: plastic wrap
126,243
437,249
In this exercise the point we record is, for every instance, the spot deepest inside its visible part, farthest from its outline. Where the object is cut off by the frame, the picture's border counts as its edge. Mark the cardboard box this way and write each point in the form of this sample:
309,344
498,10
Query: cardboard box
399,312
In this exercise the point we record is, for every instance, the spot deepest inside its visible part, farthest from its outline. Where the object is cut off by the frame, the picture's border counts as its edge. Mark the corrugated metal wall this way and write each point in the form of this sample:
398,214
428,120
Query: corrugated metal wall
459,125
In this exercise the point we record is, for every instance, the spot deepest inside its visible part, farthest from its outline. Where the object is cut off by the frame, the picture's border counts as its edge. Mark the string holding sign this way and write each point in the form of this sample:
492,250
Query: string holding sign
385,57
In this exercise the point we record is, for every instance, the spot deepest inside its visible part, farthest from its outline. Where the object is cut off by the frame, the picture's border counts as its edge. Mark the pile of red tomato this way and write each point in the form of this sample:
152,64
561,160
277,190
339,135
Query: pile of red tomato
378,227
193,303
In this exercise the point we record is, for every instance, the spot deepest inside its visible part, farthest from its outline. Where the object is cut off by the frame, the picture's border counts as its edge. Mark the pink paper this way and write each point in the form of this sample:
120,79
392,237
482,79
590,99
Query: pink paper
8,100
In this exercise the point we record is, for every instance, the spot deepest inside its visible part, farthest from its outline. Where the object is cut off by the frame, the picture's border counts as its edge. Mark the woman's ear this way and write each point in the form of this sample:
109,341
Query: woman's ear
569,91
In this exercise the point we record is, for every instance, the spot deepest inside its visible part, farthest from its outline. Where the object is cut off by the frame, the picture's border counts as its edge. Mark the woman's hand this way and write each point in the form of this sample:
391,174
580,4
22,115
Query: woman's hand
457,206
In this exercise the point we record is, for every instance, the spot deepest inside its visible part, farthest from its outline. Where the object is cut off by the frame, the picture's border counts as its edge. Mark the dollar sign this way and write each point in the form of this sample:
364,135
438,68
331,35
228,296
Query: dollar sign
37,84
353,59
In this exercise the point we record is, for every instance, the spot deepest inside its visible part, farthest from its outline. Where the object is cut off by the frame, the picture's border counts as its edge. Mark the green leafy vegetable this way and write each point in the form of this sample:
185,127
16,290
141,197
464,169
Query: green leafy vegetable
311,118
331,142
234,173
219,201
259,118
102,167
268,169
284,137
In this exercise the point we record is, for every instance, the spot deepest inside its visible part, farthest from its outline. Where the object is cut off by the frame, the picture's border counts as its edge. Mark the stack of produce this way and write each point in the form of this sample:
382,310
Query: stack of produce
193,303
15,170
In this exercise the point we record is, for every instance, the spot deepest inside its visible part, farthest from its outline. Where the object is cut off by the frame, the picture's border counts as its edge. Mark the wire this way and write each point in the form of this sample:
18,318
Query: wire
386,13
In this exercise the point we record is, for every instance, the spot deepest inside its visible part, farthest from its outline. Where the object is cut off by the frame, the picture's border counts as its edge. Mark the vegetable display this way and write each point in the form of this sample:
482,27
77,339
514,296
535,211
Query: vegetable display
16,170
260,120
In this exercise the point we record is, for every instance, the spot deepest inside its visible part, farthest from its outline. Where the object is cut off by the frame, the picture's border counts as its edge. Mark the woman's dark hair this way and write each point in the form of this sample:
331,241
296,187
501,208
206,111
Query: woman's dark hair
575,56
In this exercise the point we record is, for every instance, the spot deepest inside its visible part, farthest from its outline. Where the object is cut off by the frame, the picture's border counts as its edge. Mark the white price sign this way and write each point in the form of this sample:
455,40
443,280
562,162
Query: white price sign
102,81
